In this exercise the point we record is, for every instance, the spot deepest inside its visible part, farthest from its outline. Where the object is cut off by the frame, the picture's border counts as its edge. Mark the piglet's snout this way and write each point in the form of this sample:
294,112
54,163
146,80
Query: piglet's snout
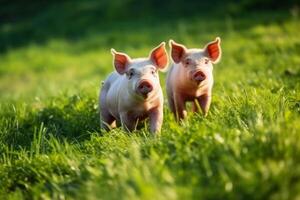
199,76
144,87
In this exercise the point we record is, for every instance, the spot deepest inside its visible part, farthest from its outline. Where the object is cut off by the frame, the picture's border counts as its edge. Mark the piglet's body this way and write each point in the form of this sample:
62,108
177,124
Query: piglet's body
190,78
133,93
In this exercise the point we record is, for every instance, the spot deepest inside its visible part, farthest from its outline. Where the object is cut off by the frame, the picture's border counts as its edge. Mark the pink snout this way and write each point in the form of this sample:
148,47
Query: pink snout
199,76
144,87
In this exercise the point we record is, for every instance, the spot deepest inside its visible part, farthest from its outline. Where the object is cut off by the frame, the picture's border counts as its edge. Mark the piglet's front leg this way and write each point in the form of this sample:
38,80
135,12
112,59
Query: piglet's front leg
128,122
204,102
180,108
156,119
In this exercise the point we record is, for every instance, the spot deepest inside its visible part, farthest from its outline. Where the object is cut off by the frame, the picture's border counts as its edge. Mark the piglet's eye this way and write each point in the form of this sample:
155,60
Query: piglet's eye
131,74
206,61
153,72
187,62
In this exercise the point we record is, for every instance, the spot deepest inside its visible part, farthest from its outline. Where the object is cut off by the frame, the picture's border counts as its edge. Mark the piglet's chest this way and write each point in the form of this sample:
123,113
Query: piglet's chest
141,110
190,93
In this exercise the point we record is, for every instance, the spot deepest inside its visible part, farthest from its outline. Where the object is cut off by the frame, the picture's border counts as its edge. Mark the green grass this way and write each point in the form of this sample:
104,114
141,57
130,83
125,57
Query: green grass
247,148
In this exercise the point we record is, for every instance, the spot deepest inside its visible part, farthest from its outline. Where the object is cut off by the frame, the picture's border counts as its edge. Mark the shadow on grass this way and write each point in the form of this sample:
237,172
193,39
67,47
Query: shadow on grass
72,118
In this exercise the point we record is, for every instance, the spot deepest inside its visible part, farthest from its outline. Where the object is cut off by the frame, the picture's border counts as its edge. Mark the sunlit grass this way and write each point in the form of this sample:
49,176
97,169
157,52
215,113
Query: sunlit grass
247,148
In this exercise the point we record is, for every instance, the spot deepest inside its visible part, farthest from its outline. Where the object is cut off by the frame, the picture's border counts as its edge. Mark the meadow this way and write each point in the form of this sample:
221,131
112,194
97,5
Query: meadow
248,147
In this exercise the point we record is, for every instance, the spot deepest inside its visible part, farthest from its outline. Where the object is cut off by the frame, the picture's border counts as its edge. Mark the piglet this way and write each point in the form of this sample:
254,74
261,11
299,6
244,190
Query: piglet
190,78
133,93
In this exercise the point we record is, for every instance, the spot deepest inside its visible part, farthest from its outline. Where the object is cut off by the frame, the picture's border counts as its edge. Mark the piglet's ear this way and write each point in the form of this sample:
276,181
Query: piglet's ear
159,56
213,50
177,51
121,61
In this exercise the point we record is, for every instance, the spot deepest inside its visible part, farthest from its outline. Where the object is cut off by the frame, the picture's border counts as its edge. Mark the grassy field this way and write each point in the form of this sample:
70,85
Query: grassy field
248,147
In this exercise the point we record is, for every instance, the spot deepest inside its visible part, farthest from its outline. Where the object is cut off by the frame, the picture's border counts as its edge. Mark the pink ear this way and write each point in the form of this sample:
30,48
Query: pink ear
159,56
177,51
121,61
213,50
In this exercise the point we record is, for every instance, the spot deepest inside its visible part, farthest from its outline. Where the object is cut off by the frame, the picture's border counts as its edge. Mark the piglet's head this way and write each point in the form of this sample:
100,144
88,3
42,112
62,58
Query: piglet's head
196,64
142,73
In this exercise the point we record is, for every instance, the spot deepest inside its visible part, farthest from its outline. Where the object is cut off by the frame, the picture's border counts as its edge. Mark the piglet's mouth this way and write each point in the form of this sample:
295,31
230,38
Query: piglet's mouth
144,88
